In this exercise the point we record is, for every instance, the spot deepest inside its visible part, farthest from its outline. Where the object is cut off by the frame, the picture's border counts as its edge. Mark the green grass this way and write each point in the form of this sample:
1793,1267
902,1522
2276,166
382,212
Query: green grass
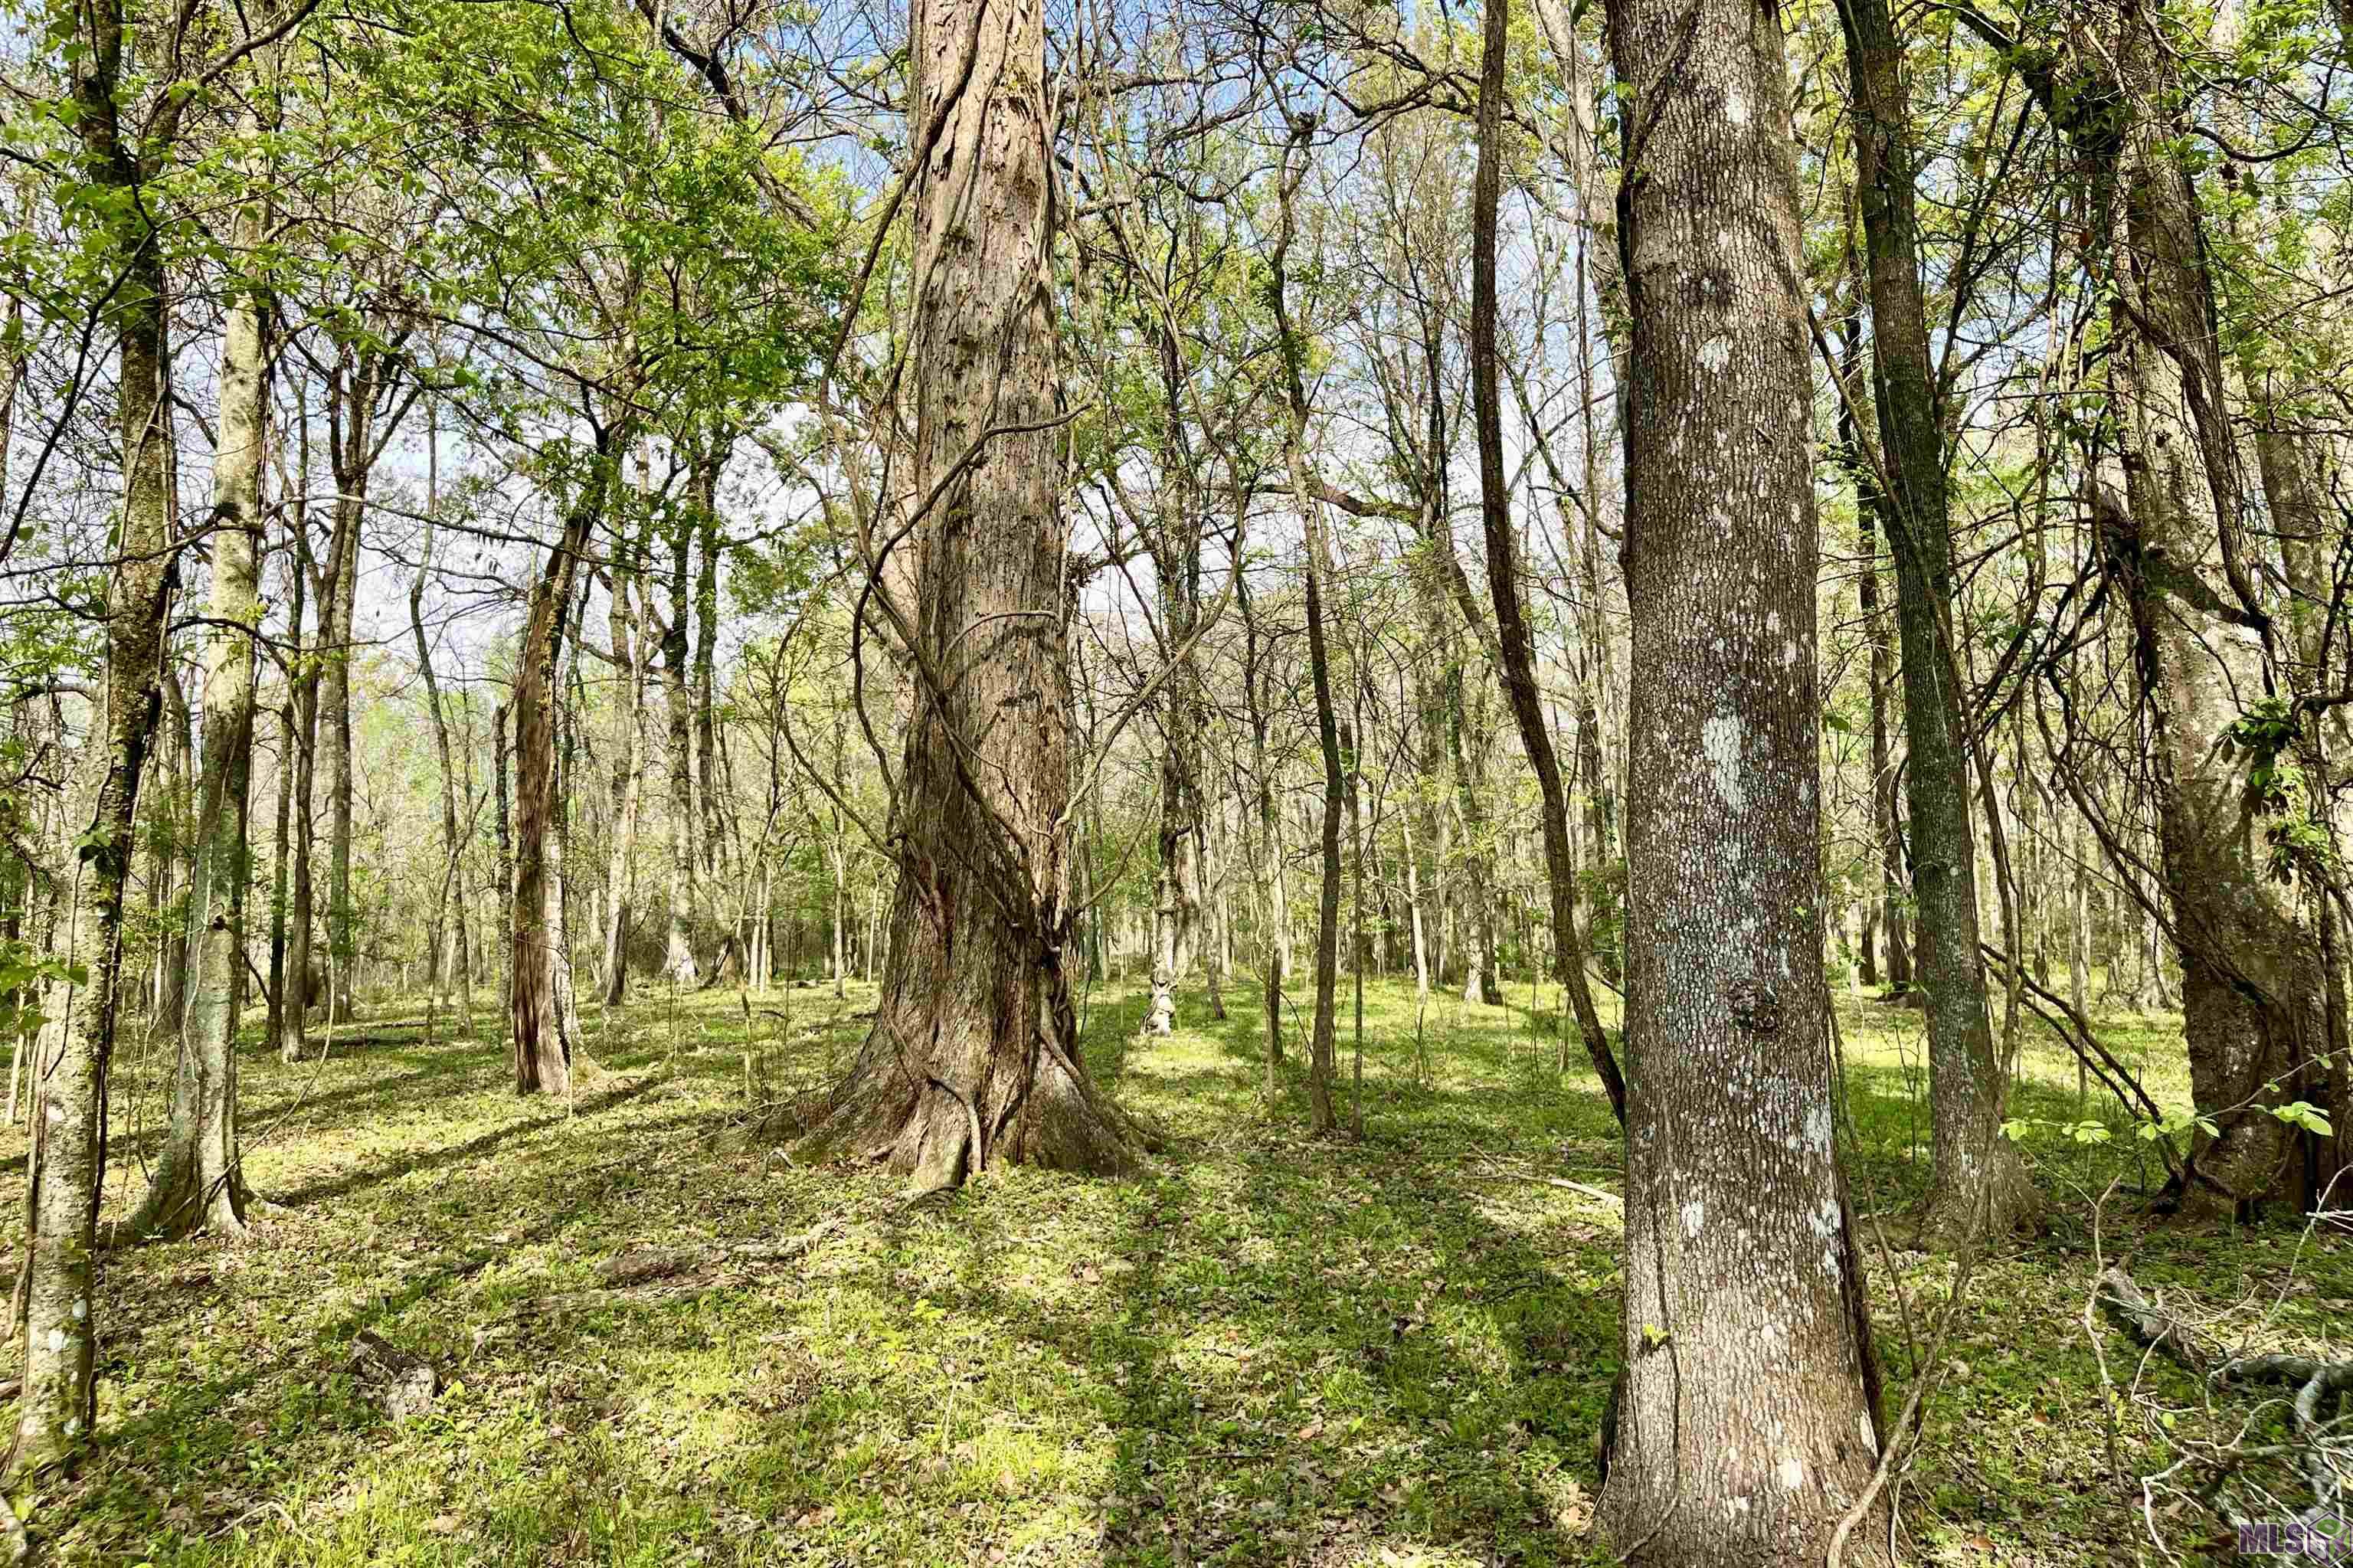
1268,1349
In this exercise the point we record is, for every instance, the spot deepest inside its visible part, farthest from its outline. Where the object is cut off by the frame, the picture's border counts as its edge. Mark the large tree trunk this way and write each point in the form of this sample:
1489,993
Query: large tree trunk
197,1182
1747,1425
1976,1177
2251,975
57,1407
543,1050
1516,648
974,1054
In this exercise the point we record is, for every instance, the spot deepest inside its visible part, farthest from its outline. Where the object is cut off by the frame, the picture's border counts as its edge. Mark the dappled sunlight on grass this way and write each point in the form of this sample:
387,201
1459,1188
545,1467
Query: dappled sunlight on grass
1267,1349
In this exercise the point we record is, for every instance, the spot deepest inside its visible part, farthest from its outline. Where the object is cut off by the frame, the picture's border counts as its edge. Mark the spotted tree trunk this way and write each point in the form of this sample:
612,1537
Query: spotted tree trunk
1746,1426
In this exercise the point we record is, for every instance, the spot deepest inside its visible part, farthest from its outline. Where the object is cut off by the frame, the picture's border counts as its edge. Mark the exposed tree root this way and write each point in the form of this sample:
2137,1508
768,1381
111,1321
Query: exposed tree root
2323,1454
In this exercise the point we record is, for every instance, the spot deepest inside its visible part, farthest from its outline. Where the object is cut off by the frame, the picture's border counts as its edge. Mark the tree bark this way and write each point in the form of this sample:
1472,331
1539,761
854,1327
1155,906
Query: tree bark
974,1054
2251,982
1977,1178
197,1180
543,1050
1747,1425
57,1407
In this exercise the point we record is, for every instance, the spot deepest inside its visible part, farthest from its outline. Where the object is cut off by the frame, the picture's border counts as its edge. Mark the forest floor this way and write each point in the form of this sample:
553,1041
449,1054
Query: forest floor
1269,1348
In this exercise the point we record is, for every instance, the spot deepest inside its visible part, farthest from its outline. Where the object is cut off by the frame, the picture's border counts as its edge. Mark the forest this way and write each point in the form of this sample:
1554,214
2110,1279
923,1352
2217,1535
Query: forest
1187,782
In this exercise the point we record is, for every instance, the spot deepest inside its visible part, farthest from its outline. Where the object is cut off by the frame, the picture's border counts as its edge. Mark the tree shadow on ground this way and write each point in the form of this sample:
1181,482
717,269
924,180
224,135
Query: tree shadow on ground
473,1149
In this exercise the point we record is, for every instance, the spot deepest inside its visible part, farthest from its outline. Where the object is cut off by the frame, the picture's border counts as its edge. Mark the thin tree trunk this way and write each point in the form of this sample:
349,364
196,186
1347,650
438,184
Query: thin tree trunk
1268,861
1316,569
679,960
302,699
333,726
542,1053
629,785
706,640
1515,646
451,845
197,1182
498,747
1977,1179
174,861
565,1003
275,1023
1467,741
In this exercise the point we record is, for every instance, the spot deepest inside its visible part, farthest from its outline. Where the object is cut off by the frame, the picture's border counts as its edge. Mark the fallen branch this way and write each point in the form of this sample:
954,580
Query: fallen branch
2146,1321
637,1266
1602,1193
2314,1380
2319,1455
